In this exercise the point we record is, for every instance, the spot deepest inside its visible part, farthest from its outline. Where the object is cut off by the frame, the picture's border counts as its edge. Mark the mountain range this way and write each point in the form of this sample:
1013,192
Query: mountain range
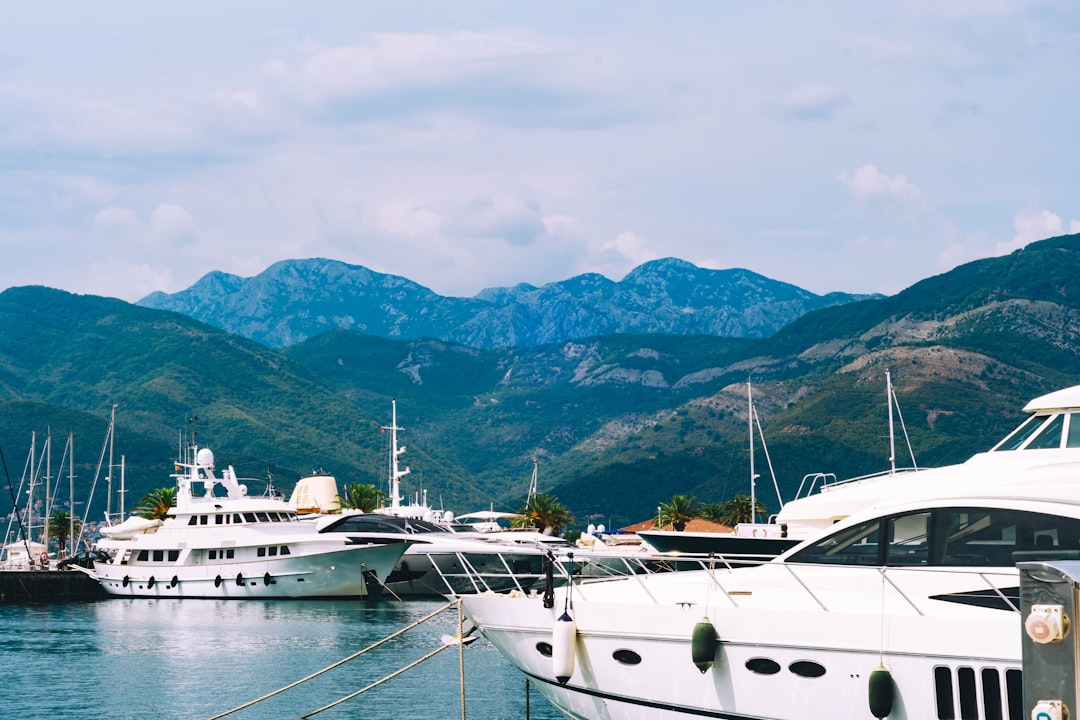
294,300
618,422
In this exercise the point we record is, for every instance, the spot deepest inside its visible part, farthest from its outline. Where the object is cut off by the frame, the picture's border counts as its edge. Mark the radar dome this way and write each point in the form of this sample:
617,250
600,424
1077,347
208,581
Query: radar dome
205,457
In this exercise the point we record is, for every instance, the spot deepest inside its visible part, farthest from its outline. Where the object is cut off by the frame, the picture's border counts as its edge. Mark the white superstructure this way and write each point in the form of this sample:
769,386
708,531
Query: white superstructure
219,542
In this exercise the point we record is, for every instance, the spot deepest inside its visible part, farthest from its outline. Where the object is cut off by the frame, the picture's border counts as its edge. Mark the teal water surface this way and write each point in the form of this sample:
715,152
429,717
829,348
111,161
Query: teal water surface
132,659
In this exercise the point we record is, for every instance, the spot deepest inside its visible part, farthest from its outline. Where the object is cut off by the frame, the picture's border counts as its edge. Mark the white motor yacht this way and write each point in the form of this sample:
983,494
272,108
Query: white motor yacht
908,608
220,542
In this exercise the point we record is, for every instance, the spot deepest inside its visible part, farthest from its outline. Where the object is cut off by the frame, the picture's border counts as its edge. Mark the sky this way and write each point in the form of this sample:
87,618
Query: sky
837,146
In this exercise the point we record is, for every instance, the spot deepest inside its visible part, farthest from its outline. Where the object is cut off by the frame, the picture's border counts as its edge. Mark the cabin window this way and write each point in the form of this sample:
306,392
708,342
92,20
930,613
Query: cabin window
219,520
159,556
174,555
212,554
237,519
273,552
260,552
144,555
285,550
262,517
193,520
1072,433
964,537
1022,433
857,545
1050,436
249,517
204,519
909,540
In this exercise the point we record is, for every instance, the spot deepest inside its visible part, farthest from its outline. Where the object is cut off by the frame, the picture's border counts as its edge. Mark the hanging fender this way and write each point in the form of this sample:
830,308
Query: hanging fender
563,646
217,581
703,642
881,692
150,582
174,582
240,579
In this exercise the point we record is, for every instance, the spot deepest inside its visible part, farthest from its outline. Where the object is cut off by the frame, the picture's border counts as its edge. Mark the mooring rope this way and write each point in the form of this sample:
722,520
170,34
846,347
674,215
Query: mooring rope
377,683
339,663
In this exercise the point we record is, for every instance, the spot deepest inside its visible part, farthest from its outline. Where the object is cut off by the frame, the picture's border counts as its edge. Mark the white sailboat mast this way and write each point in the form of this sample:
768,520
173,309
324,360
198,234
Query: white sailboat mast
753,475
892,432
396,473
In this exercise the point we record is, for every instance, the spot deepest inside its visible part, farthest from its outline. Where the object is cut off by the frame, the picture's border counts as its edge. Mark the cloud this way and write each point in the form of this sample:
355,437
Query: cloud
1031,224
402,218
813,102
872,188
114,217
398,60
513,218
171,223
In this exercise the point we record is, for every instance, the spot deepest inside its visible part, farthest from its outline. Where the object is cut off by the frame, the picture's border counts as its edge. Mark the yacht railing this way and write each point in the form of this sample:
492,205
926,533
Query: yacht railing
584,568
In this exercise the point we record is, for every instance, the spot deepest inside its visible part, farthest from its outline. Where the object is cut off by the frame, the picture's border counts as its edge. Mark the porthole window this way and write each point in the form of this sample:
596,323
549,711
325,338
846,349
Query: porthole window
807,668
626,657
762,666
544,648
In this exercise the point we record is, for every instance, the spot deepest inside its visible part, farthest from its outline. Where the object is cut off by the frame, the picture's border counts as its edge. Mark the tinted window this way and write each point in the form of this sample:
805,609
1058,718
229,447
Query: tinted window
1049,436
972,537
1022,433
856,545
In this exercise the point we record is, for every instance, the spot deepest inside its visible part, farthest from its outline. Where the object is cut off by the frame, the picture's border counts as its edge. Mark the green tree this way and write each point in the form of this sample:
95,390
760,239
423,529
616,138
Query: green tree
713,511
737,510
542,512
361,496
155,504
60,525
678,511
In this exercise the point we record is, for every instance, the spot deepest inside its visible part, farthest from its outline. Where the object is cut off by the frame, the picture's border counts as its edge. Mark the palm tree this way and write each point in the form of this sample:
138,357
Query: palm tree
542,512
678,511
361,496
156,503
713,511
737,510
60,525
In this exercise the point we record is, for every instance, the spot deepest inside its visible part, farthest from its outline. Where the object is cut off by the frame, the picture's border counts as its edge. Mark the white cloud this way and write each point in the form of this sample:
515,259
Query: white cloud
115,217
401,60
510,217
403,218
1031,224
870,187
171,223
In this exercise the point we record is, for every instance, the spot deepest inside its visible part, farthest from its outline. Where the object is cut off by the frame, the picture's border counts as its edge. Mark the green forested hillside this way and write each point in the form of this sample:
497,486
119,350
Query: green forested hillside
618,423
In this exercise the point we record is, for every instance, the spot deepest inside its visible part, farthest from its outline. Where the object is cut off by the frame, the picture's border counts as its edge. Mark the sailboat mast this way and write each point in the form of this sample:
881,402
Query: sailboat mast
395,472
892,432
108,475
750,427
532,483
71,491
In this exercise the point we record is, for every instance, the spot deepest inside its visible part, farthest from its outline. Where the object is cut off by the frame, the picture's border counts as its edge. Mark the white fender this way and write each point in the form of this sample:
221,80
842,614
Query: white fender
563,646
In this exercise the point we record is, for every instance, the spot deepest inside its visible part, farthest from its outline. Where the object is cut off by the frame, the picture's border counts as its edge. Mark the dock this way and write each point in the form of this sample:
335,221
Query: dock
47,586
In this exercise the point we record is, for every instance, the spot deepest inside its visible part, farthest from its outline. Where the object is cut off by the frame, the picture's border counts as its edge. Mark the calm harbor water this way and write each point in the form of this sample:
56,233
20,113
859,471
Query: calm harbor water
131,659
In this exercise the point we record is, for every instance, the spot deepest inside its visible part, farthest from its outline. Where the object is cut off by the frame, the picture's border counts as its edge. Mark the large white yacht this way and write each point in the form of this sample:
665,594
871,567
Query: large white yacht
908,608
234,545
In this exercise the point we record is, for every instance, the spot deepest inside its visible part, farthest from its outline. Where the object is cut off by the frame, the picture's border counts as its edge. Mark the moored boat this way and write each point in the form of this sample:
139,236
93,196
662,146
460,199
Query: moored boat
223,543
907,608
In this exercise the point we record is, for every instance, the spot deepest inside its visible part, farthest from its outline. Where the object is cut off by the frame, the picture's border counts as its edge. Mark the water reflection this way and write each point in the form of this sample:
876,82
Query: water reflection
136,658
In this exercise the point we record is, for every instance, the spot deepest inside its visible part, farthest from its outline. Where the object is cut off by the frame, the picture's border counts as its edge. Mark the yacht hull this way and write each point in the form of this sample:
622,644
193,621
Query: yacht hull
352,572
633,660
